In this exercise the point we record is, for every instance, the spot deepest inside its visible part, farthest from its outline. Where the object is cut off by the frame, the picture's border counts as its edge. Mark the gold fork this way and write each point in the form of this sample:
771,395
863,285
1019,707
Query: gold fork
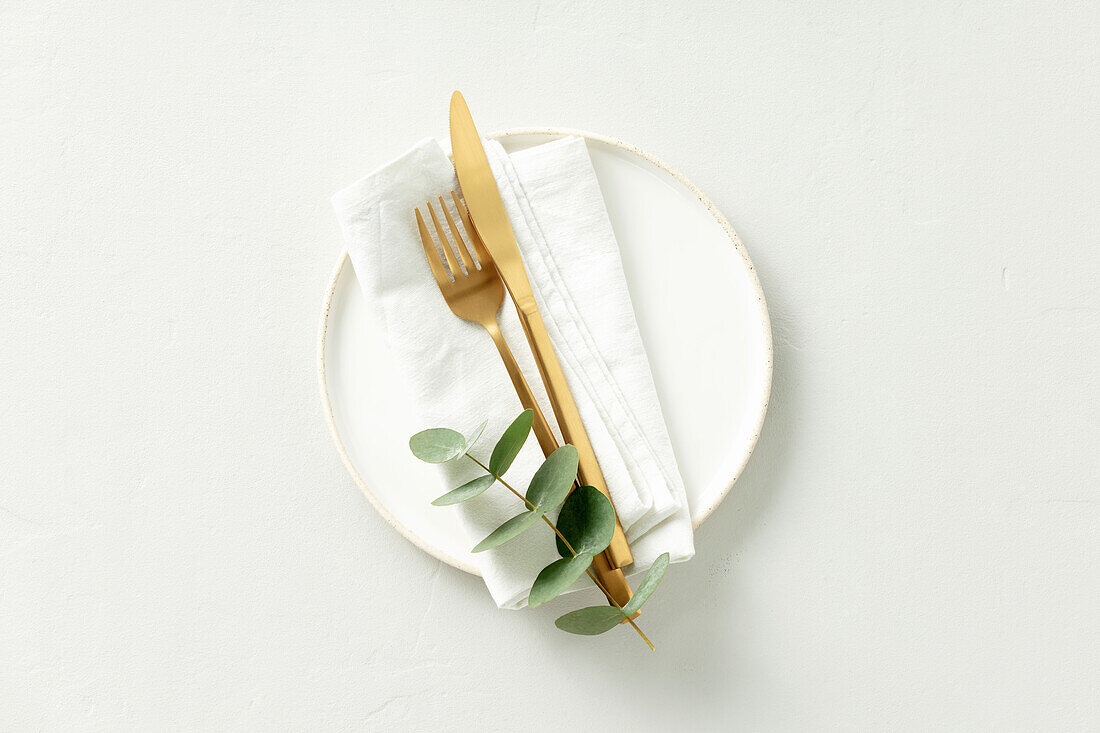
474,292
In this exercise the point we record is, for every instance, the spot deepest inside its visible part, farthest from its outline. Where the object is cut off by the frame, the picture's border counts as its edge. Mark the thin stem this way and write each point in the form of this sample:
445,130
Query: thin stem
572,552
615,603
506,484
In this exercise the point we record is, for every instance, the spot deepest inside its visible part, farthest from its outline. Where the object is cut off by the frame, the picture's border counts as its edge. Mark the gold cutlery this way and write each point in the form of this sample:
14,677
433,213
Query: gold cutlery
490,220
474,292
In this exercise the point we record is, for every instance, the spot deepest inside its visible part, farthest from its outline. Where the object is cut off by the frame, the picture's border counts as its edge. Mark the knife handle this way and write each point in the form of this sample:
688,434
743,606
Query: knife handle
612,579
569,422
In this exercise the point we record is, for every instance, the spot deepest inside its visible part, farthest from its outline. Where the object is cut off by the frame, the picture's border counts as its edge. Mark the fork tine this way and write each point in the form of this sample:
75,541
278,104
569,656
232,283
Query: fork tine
475,238
431,253
465,253
447,252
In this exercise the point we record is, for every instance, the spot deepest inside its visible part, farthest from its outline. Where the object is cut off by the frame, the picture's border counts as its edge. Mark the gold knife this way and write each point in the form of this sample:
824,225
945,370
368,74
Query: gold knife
479,188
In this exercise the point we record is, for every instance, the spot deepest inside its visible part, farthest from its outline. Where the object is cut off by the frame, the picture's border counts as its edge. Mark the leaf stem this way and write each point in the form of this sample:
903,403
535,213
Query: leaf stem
506,484
615,603
573,552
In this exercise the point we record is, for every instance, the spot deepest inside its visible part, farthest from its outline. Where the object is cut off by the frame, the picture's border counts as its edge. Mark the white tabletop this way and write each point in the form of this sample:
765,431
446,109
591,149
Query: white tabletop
915,543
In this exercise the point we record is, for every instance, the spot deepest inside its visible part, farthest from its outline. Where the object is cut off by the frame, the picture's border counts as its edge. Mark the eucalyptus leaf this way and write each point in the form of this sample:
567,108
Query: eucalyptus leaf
511,529
587,520
552,482
557,577
466,491
473,438
509,445
645,590
590,621
438,445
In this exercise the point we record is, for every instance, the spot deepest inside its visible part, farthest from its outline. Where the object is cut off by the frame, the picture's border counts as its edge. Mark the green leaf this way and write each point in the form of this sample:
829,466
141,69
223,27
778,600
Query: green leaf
475,435
590,621
645,590
552,482
468,490
511,529
509,445
437,445
557,577
587,520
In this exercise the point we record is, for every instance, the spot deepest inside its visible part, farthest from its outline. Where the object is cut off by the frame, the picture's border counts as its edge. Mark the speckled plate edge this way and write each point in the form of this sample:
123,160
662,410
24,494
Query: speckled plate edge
326,402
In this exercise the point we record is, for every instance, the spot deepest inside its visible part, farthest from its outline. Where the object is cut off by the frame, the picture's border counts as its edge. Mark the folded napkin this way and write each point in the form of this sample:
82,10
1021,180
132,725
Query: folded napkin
455,377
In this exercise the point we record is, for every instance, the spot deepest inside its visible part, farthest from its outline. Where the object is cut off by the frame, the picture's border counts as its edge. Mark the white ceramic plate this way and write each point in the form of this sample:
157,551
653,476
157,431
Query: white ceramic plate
702,317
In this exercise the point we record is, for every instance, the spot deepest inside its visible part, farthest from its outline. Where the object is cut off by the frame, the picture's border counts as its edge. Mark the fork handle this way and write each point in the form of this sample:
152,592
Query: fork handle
543,434
612,579
569,422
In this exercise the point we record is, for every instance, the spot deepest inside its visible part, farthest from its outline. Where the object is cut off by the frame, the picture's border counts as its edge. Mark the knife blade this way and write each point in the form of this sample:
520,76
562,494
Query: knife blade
489,217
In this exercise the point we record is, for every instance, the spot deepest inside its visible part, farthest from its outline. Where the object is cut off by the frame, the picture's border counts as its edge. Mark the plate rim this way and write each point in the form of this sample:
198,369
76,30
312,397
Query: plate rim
334,280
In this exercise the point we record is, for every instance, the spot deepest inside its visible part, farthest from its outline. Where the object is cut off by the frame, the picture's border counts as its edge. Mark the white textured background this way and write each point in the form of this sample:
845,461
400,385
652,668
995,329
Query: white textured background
914,545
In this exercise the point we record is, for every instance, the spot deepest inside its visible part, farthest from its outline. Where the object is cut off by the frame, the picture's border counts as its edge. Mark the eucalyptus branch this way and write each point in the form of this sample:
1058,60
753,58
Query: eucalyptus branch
627,617
585,515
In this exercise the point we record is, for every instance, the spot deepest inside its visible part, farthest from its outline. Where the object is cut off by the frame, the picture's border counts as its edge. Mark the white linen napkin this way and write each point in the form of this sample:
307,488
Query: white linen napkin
455,377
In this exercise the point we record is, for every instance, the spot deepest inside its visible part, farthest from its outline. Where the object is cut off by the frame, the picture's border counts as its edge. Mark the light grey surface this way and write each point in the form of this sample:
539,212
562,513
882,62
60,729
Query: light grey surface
914,545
